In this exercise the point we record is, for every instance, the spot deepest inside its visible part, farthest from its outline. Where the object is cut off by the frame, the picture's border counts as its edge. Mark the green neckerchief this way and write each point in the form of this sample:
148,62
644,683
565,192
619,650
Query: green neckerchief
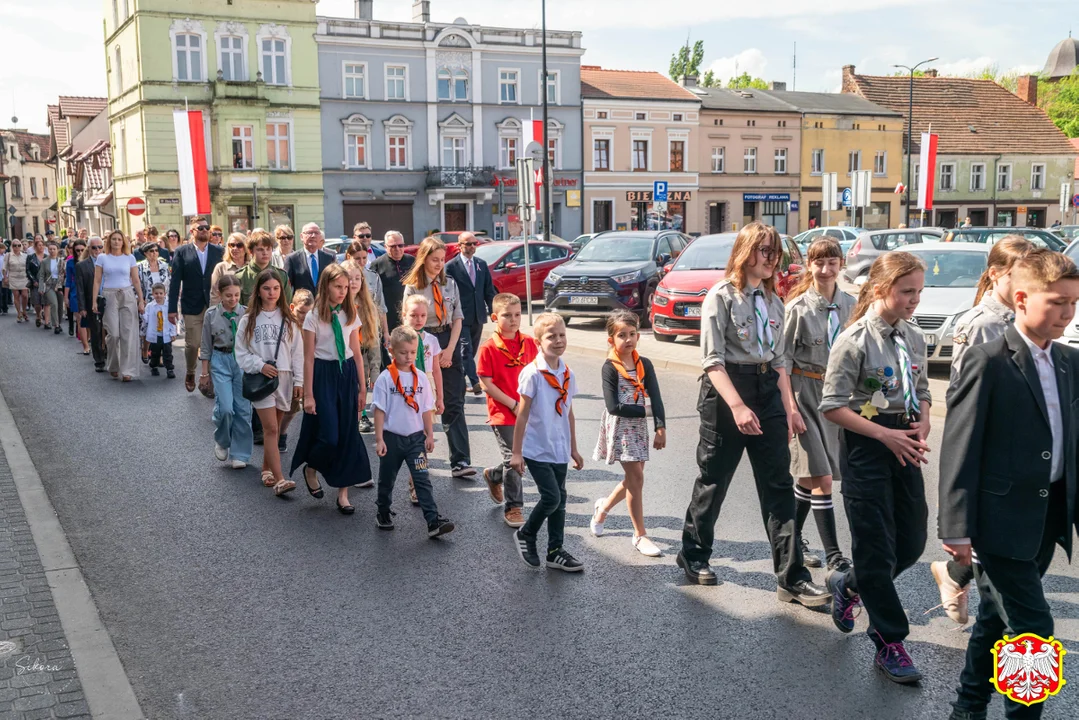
231,317
338,336
421,353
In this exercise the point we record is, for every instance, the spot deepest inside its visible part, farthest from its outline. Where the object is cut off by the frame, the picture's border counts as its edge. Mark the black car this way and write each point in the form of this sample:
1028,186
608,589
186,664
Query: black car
615,270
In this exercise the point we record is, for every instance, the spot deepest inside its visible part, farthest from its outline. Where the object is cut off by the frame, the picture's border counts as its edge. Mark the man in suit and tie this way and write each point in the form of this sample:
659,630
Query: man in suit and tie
303,266
473,278
1008,469
90,307
191,269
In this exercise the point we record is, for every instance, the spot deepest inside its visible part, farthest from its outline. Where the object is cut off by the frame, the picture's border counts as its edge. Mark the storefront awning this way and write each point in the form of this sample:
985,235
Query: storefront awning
102,197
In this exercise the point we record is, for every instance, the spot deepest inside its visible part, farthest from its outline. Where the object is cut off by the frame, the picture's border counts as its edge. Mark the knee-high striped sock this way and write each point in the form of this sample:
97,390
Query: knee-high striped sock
802,505
824,516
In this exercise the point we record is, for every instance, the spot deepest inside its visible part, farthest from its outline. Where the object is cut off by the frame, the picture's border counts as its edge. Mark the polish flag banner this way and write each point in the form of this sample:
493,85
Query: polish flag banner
532,131
927,171
191,158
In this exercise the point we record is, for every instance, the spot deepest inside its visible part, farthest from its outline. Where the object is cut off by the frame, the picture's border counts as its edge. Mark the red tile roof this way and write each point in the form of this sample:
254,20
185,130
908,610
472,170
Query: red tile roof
82,106
970,116
25,140
1075,144
600,84
59,127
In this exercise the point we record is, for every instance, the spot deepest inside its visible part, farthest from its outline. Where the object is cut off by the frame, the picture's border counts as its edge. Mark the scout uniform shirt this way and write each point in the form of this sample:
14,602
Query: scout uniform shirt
811,327
865,373
218,332
984,322
729,325
451,299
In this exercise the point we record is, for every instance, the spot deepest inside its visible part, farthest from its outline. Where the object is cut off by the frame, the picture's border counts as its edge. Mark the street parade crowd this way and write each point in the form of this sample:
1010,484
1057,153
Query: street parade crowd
822,387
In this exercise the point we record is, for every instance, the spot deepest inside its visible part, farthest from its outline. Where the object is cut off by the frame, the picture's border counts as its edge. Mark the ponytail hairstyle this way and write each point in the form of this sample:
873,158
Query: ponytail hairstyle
820,249
1008,251
744,254
884,273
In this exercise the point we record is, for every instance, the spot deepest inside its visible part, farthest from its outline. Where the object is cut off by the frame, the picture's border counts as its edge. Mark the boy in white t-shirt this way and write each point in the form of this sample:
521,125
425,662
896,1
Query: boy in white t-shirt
159,332
404,431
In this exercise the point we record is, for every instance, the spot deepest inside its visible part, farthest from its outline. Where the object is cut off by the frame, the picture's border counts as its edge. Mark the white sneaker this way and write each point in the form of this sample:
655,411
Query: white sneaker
646,547
238,464
953,599
220,453
593,524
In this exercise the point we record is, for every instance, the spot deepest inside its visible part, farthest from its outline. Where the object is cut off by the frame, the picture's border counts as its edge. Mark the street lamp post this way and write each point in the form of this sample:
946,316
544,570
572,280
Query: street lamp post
910,127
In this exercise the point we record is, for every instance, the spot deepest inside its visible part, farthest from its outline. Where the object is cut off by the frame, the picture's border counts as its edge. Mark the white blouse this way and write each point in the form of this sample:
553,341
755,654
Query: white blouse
325,345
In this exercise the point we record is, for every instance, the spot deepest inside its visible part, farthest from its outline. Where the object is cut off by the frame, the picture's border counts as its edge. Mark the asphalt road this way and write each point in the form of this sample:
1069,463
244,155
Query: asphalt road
226,602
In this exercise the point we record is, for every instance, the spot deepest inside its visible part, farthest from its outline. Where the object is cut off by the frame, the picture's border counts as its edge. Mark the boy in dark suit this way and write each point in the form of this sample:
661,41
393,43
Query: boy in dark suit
1008,474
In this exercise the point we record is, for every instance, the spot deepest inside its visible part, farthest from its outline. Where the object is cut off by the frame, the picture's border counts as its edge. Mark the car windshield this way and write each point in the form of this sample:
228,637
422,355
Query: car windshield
490,252
616,248
951,269
705,254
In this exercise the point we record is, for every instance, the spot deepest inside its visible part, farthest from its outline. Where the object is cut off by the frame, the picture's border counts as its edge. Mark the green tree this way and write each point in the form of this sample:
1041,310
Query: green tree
1060,100
687,62
709,80
745,80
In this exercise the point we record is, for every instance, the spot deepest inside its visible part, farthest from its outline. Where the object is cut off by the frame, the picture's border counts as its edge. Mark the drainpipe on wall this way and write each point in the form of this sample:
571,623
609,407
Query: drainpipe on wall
996,163
581,187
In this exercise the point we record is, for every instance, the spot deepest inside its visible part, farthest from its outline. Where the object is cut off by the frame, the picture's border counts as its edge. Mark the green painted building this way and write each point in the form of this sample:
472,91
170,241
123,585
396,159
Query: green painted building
251,66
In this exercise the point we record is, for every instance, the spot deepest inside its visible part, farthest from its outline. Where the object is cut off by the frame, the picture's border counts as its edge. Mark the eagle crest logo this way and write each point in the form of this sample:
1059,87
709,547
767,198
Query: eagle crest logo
1028,668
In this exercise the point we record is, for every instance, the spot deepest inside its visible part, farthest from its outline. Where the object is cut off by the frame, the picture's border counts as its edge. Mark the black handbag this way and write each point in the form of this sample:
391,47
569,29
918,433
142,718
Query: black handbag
257,386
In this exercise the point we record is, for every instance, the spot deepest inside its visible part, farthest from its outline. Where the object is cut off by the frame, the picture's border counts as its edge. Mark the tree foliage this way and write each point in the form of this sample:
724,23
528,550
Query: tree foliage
745,80
1060,100
686,61
709,80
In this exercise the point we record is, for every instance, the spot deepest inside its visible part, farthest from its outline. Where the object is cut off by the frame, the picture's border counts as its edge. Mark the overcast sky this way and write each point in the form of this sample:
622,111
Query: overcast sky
54,47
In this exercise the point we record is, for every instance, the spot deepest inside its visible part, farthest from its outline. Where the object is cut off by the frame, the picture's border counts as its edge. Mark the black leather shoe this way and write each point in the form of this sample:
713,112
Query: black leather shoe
803,592
958,714
344,509
696,571
808,558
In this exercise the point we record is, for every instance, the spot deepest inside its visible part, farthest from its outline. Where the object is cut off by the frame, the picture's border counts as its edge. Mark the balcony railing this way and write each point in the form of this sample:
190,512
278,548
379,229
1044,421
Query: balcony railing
460,177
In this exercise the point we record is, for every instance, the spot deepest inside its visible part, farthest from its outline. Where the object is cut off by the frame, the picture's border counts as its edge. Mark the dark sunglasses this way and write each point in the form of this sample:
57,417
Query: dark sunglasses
97,247
286,237
202,228
367,236
217,234
239,245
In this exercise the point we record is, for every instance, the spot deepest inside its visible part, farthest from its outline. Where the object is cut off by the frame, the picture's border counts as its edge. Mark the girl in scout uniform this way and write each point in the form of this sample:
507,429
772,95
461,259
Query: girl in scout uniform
746,404
816,313
875,388
992,314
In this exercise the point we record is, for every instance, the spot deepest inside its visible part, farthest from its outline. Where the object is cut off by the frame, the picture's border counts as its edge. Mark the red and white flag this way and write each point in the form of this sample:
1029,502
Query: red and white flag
532,131
191,158
927,171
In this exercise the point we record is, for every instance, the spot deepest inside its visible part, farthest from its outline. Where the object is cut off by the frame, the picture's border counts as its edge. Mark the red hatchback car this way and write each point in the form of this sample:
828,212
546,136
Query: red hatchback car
676,309
506,260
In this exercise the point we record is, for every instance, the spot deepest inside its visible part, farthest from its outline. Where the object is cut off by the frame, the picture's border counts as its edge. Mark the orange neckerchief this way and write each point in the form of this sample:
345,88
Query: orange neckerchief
440,304
561,387
410,398
500,343
638,384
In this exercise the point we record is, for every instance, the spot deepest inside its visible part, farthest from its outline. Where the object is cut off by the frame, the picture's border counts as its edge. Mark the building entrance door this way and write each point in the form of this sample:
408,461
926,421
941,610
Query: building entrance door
717,217
456,217
601,216
946,218
979,218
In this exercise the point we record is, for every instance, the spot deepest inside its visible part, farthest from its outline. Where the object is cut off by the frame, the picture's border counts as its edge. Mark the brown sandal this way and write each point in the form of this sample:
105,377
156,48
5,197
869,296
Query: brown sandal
284,486
268,479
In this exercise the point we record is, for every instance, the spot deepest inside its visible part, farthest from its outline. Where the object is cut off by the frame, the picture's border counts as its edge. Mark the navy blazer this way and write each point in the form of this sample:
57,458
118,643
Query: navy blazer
299,272
475,298
189,284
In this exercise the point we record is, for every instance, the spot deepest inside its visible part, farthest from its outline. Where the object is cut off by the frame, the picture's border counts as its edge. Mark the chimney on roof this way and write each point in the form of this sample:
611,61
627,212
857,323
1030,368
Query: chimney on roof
777,85
1027,89
421,11
931,72
689,81
365,9
849,86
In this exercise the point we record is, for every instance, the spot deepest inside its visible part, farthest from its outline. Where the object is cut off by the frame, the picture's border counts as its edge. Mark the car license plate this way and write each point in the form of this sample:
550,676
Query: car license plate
930,339
693,311
584,300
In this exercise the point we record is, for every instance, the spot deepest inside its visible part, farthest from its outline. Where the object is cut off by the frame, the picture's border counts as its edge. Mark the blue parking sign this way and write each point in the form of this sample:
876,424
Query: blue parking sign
848,197
659,191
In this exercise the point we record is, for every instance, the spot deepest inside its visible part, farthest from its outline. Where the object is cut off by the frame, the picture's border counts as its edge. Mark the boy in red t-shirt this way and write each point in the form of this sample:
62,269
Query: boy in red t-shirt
499,363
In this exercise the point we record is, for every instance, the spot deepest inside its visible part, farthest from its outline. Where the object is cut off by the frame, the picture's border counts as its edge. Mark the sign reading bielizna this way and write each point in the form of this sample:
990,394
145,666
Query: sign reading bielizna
645,196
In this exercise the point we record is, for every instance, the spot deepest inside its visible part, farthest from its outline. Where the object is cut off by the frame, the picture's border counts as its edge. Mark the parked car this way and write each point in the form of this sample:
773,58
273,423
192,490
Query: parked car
506,260
1066,232
450,240
992,235
871,245
951,281
580,241
1071,333
676,309
539,238
842,233
616,270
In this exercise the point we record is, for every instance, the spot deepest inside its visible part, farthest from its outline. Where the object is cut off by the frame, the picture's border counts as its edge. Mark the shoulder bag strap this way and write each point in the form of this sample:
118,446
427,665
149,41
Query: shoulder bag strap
280,334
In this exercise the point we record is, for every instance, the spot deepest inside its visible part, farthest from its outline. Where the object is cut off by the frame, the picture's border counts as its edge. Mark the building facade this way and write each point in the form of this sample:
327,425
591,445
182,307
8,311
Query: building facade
640,128
423,121
29,183
1000,160
251,68
81,156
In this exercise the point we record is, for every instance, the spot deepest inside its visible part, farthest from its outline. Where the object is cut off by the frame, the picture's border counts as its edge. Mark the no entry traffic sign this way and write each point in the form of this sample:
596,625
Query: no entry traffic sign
136,206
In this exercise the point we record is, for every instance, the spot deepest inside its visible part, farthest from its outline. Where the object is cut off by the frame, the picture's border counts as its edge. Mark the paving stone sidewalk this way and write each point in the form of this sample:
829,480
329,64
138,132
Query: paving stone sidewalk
37,673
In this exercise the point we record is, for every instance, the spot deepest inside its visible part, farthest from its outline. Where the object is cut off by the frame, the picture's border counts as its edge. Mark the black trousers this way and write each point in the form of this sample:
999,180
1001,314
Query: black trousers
1012,602
887,514
161,351
719,452
409,450
97,334
471,334
5,299
454,421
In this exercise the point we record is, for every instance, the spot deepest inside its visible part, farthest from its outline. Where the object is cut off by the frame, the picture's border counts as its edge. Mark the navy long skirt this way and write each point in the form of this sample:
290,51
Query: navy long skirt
330,441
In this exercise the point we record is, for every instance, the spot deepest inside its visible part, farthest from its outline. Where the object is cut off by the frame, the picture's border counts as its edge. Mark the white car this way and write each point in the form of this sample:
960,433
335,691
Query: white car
1071,335
951,281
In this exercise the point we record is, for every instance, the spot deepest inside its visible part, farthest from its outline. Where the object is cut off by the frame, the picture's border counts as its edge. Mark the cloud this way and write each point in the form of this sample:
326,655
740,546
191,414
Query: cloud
751,60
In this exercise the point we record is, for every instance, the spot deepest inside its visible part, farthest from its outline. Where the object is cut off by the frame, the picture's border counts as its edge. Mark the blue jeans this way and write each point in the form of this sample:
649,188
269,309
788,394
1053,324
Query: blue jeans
232,412
551,482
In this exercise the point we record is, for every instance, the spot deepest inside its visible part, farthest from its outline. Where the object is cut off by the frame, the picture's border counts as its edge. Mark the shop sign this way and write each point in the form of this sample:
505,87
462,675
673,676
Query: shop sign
645,196
766,197
573,198
168,201
512,182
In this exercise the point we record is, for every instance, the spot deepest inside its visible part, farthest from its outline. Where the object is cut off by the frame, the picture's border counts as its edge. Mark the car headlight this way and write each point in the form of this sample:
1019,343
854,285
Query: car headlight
661,300
627,278
552,278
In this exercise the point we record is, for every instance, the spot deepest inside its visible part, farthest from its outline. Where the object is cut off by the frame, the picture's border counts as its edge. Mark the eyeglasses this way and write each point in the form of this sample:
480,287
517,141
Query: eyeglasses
397,245
310,232
202,228
97,247
149,250
286,237
767,251
235,245
217,234
364,236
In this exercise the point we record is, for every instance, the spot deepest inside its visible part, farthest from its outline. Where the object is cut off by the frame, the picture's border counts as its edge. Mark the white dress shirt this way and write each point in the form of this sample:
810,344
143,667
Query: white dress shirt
1047,376
202,254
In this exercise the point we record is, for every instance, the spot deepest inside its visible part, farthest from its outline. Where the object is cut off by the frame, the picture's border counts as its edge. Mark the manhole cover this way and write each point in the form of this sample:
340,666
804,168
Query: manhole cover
6,648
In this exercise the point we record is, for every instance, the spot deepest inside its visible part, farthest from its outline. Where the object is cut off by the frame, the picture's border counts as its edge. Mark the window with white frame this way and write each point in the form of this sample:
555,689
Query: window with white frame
232,57
508,86
454,151
601,153
816,163
781,161
880,163
121,151
118,70
1037,176
1004,177
460,85
277,145
977,177
554,151
357,142
854,161
677,155
243,147
274,61
445,81
947,176
507,152
189,57
45,188
395,82
33,187
640,155
749,160
719,159
453,86
397,157
552,87
355,80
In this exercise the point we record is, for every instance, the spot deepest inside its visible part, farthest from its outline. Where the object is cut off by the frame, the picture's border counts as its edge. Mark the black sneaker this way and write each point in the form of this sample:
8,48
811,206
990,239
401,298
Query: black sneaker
384,519
559,559
892,659
843,604
170,374
696,571
841,564
366,426
808,558
526,549
282,442
154,371
439,526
